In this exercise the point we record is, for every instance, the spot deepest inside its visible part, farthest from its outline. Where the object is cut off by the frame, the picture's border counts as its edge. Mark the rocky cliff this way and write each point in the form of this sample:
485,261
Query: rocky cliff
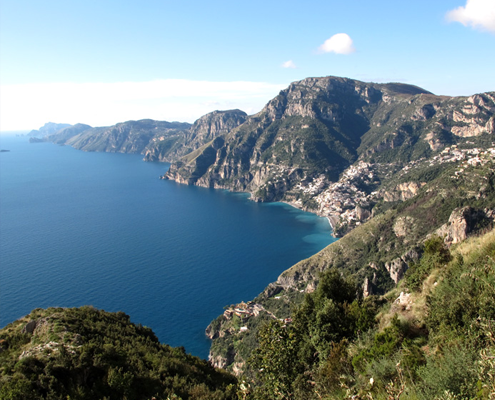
203,131
318,127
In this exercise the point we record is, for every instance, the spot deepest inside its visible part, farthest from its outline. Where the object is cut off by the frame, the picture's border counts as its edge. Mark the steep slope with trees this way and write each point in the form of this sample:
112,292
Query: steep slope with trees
85,353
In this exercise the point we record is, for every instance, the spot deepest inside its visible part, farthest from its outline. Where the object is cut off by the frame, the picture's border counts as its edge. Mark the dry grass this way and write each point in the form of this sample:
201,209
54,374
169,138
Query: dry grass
470,248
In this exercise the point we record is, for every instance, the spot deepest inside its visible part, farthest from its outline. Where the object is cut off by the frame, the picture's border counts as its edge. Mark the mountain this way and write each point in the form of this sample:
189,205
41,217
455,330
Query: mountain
390,165
85,353
200,133
125,137
318,127
432,337
47,129
157,140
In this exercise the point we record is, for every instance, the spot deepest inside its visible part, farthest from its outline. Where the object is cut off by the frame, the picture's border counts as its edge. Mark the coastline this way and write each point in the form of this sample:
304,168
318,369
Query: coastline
332,219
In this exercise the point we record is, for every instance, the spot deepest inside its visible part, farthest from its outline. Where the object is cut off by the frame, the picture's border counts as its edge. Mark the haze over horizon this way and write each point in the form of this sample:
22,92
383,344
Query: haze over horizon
103,63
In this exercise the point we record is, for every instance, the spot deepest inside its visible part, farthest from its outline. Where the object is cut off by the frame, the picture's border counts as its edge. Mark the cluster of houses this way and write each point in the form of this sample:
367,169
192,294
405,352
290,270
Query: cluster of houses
343,201
453,154
243,310
247,310
342,197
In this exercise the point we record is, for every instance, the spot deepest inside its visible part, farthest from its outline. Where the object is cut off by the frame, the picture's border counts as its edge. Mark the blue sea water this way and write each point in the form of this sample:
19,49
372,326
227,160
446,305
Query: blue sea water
101,229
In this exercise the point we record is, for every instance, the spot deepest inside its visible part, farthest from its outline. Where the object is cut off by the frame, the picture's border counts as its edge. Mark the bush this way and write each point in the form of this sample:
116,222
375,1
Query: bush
435,255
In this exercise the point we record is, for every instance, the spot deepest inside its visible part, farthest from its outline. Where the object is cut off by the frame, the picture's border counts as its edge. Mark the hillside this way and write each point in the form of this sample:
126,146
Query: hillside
421,165
306,137
85,353
156,140
430,338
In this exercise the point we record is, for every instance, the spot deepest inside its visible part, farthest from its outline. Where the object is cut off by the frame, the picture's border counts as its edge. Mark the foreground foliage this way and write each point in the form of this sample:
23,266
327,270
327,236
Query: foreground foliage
87,353
439,344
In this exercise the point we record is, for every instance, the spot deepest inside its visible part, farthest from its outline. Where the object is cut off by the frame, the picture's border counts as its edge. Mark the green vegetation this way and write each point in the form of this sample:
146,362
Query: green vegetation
86,353
435,255
439,344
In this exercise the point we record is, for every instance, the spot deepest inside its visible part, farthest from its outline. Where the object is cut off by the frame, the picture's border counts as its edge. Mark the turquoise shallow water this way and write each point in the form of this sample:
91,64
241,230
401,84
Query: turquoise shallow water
82,228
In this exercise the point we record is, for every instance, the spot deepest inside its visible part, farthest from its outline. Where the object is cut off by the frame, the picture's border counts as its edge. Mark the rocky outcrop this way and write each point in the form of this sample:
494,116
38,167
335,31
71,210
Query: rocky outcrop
204,130
362,214
214,124
403,191
30,327
462,222
433,141
404,226
398,267
473,116
367,288
425,112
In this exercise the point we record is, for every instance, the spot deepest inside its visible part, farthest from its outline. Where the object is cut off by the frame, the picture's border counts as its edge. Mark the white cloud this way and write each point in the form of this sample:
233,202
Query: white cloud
289,64
29,106
477,13
341,43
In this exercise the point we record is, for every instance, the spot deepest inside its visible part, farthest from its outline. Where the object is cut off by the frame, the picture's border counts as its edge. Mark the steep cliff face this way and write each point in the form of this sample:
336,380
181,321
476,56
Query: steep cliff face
308,128
320,126
203,131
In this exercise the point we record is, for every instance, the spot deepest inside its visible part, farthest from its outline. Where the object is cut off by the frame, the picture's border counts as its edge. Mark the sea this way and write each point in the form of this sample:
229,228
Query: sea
102,229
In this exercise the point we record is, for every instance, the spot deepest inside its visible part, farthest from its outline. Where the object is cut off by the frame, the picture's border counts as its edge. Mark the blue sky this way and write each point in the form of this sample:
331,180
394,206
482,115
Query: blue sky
103,62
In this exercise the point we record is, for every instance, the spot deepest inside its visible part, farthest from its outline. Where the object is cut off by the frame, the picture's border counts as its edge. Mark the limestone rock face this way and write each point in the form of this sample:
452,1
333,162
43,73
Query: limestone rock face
362,213
462,222
219,361
434,143
404,301
403,191
473,117
217,123
424,113
469,130
403,226
367,288
398,267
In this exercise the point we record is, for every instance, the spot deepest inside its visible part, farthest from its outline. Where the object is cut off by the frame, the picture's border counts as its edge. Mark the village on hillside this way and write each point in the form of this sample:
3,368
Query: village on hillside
347,202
